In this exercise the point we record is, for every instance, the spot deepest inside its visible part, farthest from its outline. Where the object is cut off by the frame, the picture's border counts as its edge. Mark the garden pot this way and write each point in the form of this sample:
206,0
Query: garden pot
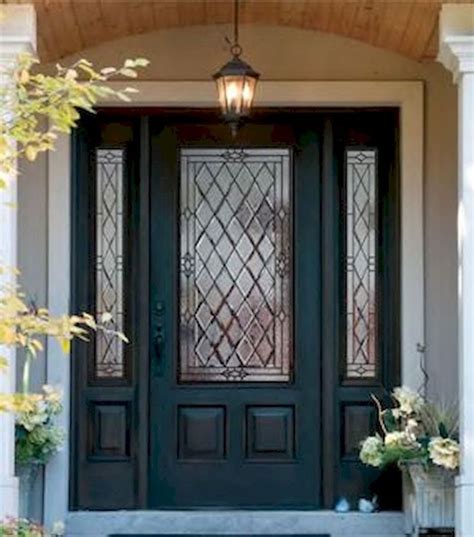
27,475
430,498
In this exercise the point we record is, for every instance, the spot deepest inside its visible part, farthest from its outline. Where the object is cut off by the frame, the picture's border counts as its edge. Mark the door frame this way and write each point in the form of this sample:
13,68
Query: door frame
407,96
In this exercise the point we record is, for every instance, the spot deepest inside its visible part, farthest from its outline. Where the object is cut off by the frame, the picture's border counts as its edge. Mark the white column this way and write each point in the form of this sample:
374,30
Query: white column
17,35
457,54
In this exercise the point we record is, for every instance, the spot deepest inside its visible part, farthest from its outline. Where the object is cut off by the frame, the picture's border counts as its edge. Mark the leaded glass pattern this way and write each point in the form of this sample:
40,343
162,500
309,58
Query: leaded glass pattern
236,259
109,358
361,243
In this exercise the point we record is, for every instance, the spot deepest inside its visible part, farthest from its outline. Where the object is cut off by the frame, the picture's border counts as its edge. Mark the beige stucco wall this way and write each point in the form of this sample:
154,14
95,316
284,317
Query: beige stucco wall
291,54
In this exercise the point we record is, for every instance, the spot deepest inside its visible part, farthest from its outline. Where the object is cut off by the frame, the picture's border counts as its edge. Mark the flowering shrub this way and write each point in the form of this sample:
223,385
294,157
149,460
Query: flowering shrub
20,527
37,438
413,430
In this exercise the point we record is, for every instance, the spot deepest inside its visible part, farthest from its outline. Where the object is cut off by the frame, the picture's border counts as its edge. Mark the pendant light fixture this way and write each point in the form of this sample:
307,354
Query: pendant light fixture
236,82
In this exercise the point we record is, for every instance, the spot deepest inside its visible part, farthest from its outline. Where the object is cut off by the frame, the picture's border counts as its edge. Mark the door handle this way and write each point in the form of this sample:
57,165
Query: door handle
159,336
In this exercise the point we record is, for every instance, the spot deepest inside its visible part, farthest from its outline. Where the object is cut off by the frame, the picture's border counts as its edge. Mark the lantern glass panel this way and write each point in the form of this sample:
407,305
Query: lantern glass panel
220,82
234,88
248,94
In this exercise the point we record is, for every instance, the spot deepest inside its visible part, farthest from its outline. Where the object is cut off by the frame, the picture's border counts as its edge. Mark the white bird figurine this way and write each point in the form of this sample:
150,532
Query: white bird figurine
342,506
367,506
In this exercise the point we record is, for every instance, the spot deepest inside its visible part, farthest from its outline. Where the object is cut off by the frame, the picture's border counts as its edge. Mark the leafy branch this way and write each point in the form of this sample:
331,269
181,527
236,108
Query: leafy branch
34,109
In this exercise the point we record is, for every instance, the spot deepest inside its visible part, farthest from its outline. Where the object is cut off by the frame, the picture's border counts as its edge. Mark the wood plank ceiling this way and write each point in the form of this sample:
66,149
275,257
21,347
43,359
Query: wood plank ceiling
408,27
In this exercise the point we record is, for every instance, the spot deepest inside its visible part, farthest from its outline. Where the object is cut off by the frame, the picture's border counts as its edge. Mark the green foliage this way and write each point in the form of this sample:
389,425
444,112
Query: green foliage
21,527
413,430
389,420
34,109
440,420
37,438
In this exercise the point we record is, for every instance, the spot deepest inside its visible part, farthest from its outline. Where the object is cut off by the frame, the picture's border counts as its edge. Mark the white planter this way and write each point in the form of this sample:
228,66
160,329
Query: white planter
430,498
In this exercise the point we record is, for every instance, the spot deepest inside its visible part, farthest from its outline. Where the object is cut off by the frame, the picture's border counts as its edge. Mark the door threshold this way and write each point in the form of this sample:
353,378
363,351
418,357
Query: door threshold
234,523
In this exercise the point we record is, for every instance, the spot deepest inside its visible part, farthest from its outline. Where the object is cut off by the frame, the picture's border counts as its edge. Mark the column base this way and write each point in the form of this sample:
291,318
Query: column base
464,507
8,496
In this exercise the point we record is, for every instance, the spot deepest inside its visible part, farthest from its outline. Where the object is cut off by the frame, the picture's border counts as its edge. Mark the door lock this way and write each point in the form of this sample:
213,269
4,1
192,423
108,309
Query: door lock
159,335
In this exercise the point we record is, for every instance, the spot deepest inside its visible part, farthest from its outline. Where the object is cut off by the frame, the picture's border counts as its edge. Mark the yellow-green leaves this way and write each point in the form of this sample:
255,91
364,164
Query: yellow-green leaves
33,110
31,152
39,106
25,326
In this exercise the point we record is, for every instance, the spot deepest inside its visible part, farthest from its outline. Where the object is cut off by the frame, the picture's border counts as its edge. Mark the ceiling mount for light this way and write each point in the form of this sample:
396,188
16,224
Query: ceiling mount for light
236,82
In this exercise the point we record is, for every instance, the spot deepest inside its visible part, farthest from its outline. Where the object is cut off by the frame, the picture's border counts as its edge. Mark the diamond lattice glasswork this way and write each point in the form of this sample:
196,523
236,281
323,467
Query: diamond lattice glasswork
235,290
109,258
361,237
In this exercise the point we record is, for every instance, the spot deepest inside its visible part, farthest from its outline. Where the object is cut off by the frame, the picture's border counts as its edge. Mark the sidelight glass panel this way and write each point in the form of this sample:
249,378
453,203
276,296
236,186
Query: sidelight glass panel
361,243
236,259
109,258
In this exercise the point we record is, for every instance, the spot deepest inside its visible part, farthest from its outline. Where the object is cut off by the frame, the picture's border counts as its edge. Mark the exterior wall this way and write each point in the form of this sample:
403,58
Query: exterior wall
291,54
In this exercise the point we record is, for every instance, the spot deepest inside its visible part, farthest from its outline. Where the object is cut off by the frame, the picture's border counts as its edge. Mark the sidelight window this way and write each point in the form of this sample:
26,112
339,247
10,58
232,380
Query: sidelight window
361,262
109,360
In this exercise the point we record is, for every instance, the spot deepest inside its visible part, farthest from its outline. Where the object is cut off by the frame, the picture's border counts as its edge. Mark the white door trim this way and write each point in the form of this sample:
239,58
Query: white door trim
408,96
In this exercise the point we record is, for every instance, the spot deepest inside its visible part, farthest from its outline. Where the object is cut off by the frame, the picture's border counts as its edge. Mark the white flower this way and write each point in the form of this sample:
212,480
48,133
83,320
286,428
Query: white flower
51,393
444,452
53,399
58,529
30,420
371,452
396,413
409,402
412,426
401,440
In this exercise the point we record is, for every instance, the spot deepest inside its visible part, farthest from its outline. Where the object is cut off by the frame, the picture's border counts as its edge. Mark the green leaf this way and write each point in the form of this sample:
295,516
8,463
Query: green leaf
128,72
108,70
142,62
123,97
65,345
443,431
389,421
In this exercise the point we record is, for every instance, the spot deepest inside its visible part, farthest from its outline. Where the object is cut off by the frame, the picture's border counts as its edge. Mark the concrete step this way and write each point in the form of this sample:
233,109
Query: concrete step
234,523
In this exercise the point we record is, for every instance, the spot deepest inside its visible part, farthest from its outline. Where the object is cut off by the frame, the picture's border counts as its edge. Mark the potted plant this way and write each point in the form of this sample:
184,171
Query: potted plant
37,439
422,438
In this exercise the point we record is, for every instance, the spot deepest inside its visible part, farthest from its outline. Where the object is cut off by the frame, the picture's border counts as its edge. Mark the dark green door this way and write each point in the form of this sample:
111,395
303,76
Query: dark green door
258,281
235,397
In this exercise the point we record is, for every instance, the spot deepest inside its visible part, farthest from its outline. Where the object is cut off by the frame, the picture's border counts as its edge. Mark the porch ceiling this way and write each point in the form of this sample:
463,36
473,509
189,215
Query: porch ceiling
408,27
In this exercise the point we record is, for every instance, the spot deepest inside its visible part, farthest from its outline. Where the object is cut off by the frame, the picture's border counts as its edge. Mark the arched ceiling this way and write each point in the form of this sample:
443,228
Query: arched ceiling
408,27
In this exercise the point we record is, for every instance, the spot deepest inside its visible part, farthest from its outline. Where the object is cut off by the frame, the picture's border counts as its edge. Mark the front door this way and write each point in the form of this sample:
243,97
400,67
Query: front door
235,297
258,282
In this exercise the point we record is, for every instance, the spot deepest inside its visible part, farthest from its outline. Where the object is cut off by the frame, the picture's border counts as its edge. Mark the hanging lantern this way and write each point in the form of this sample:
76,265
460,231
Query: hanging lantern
236,83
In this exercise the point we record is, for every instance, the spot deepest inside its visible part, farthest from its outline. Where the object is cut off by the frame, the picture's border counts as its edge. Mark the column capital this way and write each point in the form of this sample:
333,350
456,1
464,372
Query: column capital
456,38
17,31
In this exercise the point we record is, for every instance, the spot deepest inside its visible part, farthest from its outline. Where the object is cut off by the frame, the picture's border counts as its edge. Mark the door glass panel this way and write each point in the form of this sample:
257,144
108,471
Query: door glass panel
109,259
361,239
236,261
